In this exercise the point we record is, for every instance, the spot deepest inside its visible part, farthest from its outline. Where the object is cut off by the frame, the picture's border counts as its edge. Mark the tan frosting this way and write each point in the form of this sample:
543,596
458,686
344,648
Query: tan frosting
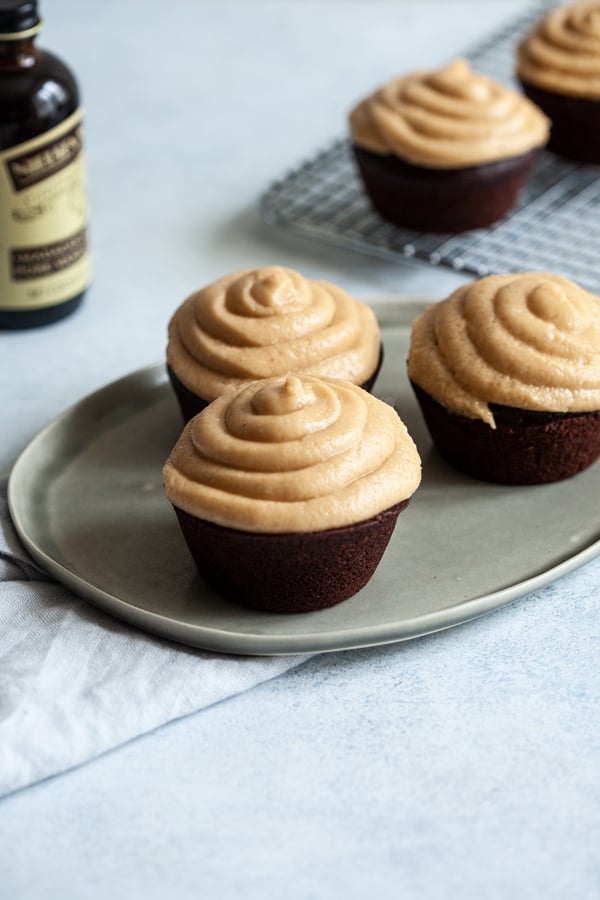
267,322
562,53
529,341
449,118
293,454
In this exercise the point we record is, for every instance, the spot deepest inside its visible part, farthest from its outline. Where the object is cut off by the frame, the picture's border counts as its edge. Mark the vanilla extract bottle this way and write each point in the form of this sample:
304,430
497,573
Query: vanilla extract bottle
44,256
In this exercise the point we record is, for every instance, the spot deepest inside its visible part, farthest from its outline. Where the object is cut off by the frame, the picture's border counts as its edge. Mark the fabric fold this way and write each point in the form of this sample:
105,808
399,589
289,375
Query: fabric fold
75,683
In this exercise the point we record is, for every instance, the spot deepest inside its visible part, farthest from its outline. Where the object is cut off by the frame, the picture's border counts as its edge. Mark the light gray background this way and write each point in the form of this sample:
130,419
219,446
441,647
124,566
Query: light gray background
460,765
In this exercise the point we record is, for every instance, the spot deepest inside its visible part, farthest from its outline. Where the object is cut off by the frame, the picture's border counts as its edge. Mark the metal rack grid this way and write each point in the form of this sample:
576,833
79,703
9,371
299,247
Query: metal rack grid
554,227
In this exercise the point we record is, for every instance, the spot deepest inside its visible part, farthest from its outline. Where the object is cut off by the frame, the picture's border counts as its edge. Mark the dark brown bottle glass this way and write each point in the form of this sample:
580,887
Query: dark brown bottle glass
44,270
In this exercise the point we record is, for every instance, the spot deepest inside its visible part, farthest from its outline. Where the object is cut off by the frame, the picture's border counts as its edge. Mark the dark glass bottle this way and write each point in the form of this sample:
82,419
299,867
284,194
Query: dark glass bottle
44,259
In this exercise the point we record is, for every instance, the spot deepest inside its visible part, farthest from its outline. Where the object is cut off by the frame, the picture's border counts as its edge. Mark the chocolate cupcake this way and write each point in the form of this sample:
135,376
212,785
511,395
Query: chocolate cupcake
445,151
558,66
287,490
264,323
507,374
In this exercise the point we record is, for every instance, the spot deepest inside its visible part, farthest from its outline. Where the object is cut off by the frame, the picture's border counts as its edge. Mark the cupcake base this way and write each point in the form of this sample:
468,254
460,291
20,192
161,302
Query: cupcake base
289,573
191,404
526,447
442,200
575,131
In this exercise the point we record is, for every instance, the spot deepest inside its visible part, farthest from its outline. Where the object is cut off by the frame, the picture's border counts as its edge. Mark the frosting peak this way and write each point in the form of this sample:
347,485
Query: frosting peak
562,52
283,397
276,289
292,455
449,118
266,322
458,80
529,341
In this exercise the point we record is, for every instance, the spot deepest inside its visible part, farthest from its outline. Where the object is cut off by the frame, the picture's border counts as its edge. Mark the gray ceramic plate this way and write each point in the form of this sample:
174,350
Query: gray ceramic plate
86,498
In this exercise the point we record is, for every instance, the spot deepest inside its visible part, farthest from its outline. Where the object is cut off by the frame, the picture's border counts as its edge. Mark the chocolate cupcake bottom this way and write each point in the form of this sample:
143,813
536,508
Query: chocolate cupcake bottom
442,200
575,131
526,447
191,404
289,573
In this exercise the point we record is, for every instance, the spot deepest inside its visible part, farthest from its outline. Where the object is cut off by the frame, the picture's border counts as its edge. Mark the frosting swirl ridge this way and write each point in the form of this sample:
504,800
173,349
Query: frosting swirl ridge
449,118
528,340
292,454
562,53
266,322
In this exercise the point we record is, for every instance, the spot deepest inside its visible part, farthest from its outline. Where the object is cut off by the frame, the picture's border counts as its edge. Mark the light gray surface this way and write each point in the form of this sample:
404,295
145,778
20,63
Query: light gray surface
462,765
122,549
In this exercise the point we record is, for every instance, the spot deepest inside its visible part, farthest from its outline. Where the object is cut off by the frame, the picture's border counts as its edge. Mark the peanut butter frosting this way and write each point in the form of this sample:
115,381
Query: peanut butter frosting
449,118
562,53
266,322
528,341
292,454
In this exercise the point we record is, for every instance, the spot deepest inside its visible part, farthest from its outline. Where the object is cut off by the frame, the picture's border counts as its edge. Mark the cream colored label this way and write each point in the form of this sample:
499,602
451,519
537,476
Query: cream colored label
44,256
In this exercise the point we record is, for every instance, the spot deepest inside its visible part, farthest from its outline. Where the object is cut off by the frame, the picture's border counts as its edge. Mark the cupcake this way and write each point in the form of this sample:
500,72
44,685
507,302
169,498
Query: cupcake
267,322
445,150
287,490
507,374
558,66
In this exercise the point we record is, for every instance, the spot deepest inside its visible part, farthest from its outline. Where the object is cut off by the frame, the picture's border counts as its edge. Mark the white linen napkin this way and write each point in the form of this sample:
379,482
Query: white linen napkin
74,682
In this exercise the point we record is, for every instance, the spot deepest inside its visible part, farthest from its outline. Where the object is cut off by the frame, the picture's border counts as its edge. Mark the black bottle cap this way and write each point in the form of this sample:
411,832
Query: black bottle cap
18,16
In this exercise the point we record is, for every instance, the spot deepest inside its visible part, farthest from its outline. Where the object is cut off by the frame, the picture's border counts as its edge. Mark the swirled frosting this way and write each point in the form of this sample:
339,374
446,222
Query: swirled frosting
292,454
562,53
267,322
529,341
450,118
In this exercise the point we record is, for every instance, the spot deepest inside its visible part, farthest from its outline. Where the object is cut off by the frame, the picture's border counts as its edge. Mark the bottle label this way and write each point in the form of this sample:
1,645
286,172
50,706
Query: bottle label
44,257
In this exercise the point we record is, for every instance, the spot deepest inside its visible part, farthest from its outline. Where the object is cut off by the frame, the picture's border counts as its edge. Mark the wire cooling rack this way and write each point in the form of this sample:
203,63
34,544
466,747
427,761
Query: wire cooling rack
554,227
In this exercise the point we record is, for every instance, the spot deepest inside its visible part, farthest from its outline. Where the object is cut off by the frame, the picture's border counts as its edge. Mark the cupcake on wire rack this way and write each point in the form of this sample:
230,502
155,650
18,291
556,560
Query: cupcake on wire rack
507,375
445,150
558,66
